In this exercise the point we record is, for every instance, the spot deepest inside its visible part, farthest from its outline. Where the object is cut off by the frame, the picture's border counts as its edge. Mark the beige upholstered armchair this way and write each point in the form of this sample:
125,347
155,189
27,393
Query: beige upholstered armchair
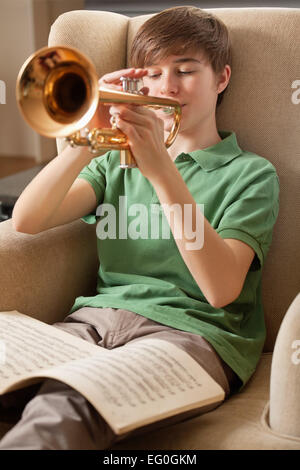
42,274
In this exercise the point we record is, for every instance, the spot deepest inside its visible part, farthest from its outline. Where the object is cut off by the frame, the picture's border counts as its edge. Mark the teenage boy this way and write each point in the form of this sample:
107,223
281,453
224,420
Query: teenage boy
207,299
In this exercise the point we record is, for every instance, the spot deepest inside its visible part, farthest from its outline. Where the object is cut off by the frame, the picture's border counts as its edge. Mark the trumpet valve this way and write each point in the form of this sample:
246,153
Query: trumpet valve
130,85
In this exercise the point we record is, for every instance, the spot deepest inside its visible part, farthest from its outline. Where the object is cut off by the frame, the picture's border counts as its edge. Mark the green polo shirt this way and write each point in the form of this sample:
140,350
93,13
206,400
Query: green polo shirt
141,268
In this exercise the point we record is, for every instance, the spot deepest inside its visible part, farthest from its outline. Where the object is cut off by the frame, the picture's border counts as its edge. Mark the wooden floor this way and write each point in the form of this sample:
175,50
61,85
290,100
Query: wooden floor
11,165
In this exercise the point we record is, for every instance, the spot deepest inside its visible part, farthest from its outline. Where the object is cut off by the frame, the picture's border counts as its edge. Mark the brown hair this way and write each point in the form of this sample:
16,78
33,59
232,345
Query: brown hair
178,30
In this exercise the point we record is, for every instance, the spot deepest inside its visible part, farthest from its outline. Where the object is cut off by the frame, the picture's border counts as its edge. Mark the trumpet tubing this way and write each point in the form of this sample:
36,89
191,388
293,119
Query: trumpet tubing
57,93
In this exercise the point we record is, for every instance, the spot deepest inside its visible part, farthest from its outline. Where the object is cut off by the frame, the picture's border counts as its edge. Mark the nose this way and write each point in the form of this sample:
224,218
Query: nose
169,86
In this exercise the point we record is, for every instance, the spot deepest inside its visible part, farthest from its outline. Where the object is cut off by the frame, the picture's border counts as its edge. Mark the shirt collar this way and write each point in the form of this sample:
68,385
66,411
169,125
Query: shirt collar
219,154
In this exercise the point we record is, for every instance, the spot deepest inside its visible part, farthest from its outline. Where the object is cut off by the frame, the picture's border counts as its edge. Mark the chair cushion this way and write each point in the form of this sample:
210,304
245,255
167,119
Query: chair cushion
30,265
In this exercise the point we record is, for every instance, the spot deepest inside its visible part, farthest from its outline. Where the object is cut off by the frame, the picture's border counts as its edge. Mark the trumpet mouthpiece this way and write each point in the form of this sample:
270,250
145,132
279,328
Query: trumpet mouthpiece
168,110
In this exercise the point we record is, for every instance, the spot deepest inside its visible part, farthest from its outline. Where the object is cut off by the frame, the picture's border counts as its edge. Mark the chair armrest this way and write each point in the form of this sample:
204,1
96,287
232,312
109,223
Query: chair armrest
42,274
284,408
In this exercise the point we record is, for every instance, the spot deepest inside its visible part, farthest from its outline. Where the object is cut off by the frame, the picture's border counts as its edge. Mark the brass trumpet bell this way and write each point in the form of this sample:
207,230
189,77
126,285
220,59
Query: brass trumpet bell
57,93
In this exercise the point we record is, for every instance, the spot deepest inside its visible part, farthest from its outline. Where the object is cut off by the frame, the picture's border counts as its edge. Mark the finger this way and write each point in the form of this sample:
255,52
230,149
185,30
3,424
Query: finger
139,110
138,116
144,90
127,114
114,77
132,131
117,109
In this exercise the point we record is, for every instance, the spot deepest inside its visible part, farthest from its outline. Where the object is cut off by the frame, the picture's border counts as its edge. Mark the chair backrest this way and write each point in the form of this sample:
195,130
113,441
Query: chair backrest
260,105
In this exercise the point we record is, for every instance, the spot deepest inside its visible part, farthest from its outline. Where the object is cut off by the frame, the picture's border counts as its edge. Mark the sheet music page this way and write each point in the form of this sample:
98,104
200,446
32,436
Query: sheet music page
140,383
130,386
29,346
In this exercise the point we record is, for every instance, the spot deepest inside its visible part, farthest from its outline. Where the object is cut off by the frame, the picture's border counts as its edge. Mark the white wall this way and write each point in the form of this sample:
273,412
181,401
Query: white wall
16,42
24,28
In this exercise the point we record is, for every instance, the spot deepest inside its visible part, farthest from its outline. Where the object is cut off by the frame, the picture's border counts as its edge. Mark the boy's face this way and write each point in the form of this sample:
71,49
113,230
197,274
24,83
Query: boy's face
190,80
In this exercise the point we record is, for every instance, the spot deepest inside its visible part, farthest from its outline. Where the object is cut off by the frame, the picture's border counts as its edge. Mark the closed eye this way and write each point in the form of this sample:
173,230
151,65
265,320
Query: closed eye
154,75
182,72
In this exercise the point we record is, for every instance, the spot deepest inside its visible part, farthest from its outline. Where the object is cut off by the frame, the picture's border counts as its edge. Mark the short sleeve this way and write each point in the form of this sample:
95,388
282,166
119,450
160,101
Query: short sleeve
251,217
95,174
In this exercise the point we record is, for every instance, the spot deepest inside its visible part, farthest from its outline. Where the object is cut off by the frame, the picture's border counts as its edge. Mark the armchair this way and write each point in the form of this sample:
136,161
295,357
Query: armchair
42,274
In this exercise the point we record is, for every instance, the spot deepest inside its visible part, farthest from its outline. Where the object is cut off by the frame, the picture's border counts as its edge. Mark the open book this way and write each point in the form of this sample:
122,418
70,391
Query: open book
130,386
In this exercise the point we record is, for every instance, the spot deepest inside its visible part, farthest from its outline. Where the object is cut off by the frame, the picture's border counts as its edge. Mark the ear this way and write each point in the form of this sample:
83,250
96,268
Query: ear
223,78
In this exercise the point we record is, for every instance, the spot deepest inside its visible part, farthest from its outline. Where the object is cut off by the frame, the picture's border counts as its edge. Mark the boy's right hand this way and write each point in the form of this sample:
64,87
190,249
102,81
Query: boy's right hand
101,118
112,80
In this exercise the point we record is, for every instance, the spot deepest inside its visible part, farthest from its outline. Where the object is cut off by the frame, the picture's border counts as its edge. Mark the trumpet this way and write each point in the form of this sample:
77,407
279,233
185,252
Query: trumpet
57,93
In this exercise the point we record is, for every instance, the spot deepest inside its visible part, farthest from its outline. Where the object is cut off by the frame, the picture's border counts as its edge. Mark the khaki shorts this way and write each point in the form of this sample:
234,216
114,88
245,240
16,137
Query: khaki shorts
112,328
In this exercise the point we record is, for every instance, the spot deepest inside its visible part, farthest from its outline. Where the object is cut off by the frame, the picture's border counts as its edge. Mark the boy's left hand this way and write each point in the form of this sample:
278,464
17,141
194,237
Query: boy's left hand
145,132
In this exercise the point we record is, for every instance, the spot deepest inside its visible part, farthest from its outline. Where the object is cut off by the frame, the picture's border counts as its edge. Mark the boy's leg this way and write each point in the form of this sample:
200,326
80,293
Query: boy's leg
58,418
